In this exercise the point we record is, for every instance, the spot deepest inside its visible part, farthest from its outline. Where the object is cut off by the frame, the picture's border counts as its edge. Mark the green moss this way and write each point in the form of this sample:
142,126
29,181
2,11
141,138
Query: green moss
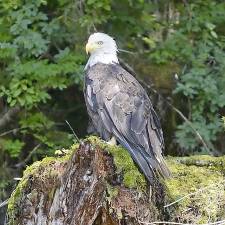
201,179
133,178
214,163
74,147
65,154
43,174
111,192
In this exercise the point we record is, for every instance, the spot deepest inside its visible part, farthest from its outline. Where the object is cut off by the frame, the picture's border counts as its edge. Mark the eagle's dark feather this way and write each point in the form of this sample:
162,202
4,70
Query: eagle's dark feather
120,107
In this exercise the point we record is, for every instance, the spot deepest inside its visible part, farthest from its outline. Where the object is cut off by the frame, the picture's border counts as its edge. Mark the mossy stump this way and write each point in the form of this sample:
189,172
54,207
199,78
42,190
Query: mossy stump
82,189
98,184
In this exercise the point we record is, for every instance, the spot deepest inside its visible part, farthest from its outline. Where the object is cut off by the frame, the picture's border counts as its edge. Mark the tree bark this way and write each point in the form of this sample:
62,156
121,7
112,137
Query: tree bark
86,190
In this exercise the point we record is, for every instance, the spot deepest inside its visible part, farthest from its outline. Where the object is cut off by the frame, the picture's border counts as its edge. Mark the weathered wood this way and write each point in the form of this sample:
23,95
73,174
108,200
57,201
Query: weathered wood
83,191
99,184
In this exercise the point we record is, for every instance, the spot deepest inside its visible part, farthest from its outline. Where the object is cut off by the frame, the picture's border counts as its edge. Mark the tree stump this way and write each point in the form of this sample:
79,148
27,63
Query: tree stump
85,190
96,184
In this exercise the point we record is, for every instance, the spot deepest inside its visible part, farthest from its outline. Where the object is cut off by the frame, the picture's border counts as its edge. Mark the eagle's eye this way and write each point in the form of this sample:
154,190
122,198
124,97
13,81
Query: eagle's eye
100,42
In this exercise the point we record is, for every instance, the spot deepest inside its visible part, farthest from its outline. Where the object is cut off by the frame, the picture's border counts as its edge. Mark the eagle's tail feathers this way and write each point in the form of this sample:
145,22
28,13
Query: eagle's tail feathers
145,162
139,158
145,166
163,168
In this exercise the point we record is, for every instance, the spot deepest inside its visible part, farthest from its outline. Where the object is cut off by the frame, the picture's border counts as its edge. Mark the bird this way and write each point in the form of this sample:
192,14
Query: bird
120,109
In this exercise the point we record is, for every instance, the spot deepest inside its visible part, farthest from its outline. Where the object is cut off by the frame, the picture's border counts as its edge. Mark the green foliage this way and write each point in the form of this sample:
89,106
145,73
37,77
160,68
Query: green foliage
35,122
195,39
34,61
42,60
203,80
12,147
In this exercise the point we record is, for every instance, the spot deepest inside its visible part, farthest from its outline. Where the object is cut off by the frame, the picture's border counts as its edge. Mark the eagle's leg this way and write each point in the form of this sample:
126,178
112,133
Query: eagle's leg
112,141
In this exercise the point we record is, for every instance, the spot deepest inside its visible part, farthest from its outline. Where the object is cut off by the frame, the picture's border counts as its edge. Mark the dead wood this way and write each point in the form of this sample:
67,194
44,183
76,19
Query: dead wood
84,190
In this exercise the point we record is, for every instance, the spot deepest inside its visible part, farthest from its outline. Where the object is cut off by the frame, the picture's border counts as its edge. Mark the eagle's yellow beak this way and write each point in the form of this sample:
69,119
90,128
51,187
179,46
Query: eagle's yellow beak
90,47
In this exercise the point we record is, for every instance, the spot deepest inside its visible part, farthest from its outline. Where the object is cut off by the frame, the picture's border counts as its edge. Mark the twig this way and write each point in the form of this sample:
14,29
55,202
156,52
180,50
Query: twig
7,117
193,193
126,51
222,222
127,67
93,25
28,157
4,203
10,131
191,126
162,222
74,134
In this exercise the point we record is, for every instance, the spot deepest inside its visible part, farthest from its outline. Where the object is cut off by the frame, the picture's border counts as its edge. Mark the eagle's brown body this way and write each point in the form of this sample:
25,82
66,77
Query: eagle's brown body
118,106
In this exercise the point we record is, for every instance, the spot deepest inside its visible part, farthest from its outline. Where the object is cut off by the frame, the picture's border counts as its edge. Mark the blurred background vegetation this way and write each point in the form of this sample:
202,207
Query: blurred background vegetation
176,47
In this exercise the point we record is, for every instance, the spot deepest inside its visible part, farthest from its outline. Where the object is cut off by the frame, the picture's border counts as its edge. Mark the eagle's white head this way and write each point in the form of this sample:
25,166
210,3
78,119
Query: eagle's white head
102,49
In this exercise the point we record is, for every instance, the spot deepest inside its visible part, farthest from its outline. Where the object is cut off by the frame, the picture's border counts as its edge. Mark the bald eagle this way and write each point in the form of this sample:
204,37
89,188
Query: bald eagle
120,108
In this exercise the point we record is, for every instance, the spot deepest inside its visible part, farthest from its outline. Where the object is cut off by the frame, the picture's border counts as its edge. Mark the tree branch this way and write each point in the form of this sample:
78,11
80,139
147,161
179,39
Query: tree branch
7,117
28,157
10,131
222,222
4,203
